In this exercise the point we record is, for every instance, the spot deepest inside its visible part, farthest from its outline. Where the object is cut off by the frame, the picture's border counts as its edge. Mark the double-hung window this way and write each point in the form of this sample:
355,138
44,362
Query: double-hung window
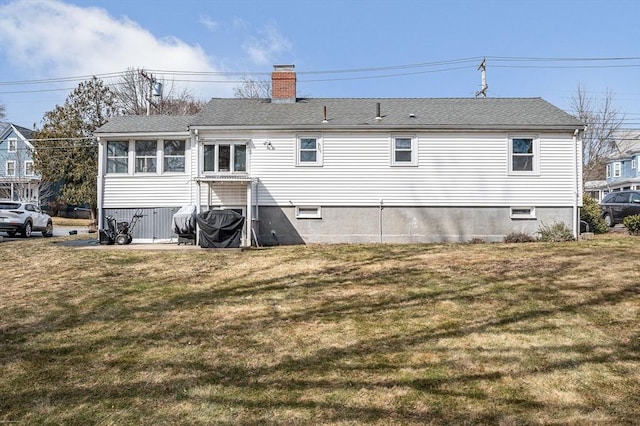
617,169
174,158
308,151
146,156
523,155
13,145
28,168
11,168
403,151
225,157
117,157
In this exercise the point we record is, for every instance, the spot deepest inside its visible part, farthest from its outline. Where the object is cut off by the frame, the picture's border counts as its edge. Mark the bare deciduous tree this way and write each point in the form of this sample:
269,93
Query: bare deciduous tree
602,121
250,88
133,90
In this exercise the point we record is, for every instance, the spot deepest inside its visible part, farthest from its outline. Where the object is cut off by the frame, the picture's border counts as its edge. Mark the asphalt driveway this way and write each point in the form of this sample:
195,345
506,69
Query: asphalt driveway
58,231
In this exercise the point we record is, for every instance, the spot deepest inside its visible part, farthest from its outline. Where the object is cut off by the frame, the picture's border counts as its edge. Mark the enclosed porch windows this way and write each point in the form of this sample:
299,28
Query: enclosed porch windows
117,157
174,158
146,156
146,153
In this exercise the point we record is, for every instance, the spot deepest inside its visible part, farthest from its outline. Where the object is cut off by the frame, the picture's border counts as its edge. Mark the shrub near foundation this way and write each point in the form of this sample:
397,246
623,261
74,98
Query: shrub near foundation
555,233
518,237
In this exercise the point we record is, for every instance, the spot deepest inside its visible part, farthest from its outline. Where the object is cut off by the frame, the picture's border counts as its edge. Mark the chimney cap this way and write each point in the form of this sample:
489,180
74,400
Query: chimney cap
284,67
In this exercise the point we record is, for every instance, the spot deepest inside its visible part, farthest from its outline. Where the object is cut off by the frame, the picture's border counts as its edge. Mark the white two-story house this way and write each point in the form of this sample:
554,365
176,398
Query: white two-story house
333,170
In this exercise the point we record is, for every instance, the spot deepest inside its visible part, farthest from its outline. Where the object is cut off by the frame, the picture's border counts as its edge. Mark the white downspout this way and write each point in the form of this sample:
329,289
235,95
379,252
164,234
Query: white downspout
578,164
248,216
100,184
380,218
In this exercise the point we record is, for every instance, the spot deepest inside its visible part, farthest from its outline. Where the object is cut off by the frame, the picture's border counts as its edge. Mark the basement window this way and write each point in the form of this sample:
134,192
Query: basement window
523,212
308,212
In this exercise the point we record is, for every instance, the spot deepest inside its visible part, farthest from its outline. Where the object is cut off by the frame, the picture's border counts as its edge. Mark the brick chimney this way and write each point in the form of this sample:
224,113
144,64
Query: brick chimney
283,84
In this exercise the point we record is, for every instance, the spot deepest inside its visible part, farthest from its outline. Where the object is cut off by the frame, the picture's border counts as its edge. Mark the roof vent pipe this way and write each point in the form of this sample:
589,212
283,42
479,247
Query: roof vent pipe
378,116
324,112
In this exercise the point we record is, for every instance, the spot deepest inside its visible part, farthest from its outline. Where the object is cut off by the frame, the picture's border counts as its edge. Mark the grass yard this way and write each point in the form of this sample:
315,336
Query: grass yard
350,334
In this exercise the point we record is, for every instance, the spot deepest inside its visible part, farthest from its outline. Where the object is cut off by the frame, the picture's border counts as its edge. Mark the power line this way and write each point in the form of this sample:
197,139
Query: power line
469,60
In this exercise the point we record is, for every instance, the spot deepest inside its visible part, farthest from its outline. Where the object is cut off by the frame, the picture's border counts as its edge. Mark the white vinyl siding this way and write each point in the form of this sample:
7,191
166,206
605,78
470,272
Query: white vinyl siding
225,194
455,169
127,191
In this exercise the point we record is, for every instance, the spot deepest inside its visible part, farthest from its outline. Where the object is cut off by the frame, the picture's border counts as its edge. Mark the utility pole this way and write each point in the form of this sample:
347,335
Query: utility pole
483,90
155,89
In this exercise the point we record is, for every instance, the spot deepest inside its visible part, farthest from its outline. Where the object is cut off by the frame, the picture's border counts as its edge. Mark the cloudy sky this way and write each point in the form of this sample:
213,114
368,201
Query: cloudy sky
341,48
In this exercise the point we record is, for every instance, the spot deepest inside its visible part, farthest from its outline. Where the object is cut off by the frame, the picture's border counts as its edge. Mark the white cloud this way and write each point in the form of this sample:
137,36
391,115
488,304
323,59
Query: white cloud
51,38
208,23
267,46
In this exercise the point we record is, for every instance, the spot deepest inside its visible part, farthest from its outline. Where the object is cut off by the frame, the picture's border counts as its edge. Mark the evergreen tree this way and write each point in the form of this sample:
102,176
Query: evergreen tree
65,149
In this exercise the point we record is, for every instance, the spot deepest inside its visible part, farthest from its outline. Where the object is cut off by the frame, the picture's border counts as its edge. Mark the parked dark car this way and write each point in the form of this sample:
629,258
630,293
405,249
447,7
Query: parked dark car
618,205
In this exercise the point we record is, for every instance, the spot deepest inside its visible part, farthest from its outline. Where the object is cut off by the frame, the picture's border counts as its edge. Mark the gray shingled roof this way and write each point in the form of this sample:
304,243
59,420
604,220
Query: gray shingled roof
146,124
463,113
359,113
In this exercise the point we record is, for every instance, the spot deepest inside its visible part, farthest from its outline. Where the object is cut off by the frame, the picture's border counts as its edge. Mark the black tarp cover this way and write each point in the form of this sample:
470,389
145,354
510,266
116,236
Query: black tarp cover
220,228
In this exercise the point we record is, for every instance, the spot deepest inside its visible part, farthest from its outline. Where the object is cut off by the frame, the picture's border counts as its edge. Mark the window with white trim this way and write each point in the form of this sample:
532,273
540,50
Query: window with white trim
403,151
28,168
308,212
174,157
117,157
146,156
633,164
608,170
523,212
617,169
12,145
523,155
11,168
309,152
225,157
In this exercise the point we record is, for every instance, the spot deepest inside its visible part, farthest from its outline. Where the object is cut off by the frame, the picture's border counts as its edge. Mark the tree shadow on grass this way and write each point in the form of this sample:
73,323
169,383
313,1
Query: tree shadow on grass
325,382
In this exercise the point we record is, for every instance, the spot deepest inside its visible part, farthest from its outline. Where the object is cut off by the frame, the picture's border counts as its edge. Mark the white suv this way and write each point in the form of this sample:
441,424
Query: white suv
17,216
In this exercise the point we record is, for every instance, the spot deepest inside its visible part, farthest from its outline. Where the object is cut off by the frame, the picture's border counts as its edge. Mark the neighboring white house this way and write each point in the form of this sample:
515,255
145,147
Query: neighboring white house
305,170
18,181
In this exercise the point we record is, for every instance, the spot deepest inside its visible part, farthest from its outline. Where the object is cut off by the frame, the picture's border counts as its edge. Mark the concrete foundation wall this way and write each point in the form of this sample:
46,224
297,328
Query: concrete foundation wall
278,225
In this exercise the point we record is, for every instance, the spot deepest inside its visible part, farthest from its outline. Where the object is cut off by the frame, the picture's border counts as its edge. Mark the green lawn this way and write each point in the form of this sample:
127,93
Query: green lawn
350,334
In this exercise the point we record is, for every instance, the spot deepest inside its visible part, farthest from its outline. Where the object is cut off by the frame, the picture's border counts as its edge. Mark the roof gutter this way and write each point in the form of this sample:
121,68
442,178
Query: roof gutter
396,127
